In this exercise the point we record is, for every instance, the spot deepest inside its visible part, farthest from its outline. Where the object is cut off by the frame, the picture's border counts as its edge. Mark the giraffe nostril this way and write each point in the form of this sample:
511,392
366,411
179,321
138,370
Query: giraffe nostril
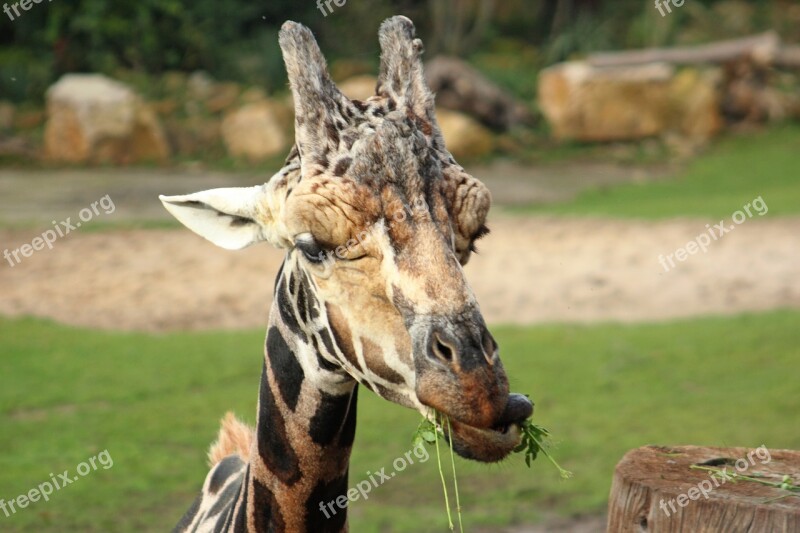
441,349
489,346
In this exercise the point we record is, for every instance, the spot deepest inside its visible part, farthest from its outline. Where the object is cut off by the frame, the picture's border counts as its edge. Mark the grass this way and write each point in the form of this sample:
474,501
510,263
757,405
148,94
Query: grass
153,401
735,171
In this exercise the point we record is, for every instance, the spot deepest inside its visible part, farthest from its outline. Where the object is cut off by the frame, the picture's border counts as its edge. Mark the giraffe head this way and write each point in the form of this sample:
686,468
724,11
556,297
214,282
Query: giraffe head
377,219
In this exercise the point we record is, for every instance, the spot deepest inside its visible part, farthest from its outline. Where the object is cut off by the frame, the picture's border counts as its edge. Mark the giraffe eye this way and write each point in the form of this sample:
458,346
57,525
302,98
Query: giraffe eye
310,248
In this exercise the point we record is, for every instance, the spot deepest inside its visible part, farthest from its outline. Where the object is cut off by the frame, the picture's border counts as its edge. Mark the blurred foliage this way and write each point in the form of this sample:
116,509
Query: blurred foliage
237,39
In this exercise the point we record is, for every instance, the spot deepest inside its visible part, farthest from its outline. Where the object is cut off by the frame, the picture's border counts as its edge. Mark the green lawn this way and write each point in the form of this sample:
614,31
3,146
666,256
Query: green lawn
153,402
735,170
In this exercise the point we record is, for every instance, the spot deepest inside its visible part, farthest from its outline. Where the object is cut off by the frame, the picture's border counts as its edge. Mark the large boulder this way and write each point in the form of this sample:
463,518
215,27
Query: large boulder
696,104
195,135
591,104
200,85
587,103
91,118
223,97
257,131
464,136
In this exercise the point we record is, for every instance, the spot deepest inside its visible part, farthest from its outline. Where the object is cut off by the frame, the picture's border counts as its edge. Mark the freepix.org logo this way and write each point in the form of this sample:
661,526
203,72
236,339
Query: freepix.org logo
60,229
660,5
365,486
45,489
24,4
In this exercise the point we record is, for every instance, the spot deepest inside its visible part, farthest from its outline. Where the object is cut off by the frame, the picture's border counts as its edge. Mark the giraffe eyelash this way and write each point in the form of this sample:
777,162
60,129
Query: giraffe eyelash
310,248
483,231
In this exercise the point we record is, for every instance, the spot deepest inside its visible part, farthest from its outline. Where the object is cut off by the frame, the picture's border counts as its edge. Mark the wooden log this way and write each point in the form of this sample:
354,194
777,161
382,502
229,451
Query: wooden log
764,48
460,87
655,490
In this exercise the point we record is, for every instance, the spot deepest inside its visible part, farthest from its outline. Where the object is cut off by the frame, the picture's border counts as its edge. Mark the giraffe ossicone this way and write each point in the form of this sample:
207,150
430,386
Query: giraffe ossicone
391,311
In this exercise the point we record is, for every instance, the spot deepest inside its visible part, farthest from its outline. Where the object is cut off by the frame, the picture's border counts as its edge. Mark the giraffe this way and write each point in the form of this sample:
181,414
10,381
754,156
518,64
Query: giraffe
377,220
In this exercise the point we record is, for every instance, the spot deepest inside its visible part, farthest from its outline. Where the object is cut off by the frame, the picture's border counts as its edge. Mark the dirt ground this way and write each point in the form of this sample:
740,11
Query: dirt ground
529,270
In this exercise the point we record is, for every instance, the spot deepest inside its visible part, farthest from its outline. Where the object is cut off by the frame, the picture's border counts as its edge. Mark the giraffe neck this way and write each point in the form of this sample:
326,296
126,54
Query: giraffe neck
306,421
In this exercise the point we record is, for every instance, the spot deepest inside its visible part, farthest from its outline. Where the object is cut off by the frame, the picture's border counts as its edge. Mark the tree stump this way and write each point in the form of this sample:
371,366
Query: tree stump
656,490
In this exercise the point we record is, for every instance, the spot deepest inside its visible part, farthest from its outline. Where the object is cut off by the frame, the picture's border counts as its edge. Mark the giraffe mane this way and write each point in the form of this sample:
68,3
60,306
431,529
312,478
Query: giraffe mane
235,438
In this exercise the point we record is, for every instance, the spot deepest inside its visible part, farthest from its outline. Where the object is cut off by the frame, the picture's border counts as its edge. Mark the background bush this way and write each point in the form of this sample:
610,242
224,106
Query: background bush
236,39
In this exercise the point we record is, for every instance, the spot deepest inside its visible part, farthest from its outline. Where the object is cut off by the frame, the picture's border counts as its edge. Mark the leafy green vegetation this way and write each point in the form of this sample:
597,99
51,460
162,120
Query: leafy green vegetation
735,171
154,402
236,40
536,440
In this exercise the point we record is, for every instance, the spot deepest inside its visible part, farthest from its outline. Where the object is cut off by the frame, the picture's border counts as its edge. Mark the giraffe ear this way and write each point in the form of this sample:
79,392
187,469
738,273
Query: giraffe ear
318,104
402,76
233,217
469,201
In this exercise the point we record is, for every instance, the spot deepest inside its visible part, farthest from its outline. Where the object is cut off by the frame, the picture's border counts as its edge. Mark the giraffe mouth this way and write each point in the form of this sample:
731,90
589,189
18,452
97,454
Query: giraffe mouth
484,444
491,444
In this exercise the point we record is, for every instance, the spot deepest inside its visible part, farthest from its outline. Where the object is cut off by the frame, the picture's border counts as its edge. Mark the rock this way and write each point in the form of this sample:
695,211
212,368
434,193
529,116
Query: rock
6,115
358,87
253,94
464,136
165,107
200,85
605,104
588,103
92,118
696,104
195,135
223,96
256,131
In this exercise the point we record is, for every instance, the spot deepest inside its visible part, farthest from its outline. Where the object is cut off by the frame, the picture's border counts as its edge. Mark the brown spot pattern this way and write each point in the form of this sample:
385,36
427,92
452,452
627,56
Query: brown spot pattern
341,334
375,359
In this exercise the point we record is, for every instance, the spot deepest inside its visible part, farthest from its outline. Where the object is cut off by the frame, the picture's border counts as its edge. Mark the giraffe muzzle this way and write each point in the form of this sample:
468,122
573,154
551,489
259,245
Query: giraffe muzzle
459,373
496,442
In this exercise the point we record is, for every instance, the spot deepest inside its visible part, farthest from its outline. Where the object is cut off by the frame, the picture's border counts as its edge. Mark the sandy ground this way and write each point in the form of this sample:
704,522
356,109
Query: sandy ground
530,270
